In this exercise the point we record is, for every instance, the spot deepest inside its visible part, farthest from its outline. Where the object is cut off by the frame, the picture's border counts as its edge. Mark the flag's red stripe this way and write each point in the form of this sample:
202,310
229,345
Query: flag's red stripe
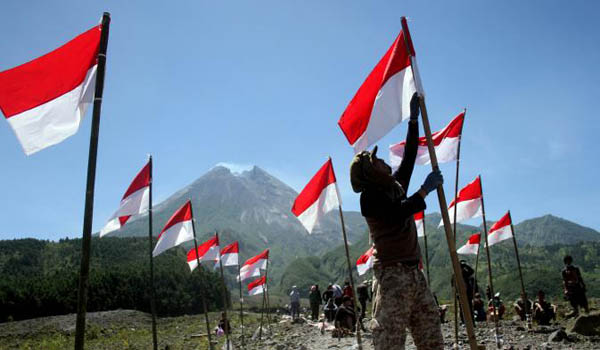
505,221
182,214
261,256
475,238
141,180
365,257
202,249
470,191
47,77
232,248
419,215
256,283
123,219
452,130
323,178
355,118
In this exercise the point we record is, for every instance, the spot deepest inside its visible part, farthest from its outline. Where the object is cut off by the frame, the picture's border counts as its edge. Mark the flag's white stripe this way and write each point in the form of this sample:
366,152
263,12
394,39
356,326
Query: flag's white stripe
392,106
249,272
446,152
211,254
468,249
55,120
328,200
420,230
136,203
230,259
174,236
466,210
363,268
500,235
257,290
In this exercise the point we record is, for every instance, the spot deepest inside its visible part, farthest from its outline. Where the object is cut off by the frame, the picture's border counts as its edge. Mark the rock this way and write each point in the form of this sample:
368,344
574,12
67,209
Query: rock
520,328
280,347
557,336
588,325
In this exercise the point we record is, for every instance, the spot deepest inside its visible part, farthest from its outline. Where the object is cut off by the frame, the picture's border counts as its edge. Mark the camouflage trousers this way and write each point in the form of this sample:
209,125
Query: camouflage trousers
403,301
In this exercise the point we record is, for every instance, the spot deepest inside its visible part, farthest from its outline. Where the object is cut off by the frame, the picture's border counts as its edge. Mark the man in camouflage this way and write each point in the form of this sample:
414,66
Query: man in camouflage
402,298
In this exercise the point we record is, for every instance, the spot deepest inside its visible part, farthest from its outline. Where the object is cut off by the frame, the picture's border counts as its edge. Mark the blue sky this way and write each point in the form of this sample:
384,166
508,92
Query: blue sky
196,83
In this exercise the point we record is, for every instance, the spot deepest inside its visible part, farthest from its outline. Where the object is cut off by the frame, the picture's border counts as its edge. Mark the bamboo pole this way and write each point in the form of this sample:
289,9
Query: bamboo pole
262,312
227,323
454,230
150,246
267,296
241,302
86,240
512,229
442,200
489,263
202,296
354,303
426,251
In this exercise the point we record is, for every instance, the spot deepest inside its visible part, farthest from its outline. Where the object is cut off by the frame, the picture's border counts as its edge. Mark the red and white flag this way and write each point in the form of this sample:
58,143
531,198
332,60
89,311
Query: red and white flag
258,286
207,251
383,99
500,231
135,201
178,229
472,245
318,197
252,266
45,99
420,223
469,203
445,143
230,254
365,262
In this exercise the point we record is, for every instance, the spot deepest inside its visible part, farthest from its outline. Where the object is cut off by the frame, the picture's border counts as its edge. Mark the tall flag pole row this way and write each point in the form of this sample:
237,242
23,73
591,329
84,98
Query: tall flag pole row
318,197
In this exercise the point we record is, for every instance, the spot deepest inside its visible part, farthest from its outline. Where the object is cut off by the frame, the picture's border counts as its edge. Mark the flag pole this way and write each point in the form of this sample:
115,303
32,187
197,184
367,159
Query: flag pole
454,230
89,192
462,292
262,312
241,302
202,296
267,296
150,245
426,251
477,263
489,263
354,303
224,293
512,229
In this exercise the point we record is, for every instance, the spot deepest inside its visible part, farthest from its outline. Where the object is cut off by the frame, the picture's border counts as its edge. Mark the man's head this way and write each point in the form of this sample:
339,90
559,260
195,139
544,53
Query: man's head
541,295
346,283
347,300
367,171
568,260
523,296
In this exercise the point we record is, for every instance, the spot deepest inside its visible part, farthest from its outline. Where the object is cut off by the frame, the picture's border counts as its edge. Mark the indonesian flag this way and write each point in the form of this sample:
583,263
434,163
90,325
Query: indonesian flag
318,197
207,251
469,203
365,262
420,223
135,201
252,266
229,254
500,231
383,99
445,143
472,245
45,99
257,286
178,229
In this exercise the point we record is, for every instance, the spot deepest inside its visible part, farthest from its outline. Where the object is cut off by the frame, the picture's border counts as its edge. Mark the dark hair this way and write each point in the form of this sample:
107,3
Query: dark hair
541,292
346,298
568,259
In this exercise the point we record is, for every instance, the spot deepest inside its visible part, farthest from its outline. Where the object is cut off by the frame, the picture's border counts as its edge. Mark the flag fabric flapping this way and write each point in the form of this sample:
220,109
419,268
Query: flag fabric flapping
420,223
230,254
468,204
500,231
257,286
445,143
45,99
252,266
207,251
135,201
365,262
320,196
383,99
178,229
472,245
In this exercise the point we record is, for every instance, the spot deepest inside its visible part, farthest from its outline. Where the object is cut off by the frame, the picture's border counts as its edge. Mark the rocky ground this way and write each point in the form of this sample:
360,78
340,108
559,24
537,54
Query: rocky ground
127,329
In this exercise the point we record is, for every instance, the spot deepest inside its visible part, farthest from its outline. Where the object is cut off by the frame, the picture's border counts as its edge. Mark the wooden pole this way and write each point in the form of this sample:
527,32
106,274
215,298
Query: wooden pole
227,323
202,296
454,230
512,230
426,251
150,246
262,312
477,263
267,296
86,240
462,292
241,302
489,263
354,303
